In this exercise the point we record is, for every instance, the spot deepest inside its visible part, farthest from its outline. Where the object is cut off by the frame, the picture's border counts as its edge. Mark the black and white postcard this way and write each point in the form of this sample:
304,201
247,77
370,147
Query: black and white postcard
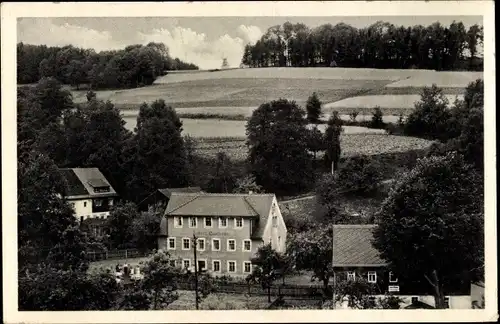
249,162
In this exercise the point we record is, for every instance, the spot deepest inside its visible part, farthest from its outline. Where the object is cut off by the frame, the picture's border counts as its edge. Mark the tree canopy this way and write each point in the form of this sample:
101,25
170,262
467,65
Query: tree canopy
380,45
278,149
133,66
437,210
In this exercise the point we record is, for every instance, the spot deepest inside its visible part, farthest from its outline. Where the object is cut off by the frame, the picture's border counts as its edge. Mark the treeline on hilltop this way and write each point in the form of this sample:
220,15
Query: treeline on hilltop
134,66
381,45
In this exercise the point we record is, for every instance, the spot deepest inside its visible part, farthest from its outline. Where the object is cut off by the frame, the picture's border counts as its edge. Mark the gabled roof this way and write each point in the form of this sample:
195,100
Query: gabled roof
256,206
352,246
208,204
81,182
167,192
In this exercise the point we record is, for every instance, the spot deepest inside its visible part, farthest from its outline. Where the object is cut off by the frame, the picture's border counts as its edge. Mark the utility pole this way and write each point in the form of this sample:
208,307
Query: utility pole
195,243
333,263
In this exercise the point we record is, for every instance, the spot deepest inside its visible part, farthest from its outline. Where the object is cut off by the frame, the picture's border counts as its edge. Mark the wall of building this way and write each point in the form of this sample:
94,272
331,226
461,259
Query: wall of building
276,229
83,208
209,233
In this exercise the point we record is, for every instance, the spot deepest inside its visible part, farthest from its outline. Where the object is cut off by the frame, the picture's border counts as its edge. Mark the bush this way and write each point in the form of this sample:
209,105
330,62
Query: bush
377,118
359,175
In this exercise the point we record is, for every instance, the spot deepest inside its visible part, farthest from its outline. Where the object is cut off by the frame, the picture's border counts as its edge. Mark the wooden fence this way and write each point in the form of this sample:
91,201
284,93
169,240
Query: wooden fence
241,288
116,254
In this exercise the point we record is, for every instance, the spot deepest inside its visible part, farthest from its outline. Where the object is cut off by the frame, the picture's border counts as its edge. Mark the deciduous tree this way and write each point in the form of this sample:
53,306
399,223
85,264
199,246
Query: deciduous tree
430,228
278,152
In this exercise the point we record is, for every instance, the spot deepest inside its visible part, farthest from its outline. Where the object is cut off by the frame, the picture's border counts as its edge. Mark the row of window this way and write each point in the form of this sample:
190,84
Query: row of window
97,203
372,276
231,266
246,245
96,216
208,222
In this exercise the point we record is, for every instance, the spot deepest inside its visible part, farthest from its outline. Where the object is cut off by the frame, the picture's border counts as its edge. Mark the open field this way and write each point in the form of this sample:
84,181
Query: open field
251,87
232,128
352,144
383,101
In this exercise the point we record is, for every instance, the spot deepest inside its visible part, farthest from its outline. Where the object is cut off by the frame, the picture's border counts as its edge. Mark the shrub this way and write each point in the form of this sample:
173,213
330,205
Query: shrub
359,175
377,118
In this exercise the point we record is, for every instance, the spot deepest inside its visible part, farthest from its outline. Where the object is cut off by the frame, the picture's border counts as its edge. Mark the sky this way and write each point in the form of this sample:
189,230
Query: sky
203,41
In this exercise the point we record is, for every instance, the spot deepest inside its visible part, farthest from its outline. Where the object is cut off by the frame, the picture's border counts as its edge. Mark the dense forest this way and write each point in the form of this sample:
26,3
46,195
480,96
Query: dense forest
381,45
134,66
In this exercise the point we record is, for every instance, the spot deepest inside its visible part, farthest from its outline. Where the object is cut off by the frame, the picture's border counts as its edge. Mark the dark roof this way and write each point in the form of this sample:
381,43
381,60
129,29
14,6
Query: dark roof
257,206
79,182
352,246
75,186
167,192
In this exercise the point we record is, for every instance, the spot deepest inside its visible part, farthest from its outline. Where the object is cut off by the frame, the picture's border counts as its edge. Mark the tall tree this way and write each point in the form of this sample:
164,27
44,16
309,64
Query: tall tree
45,220
437,211
313,250
158,148
159,278
278,152
332,141
222,180
313,108
119,224
431,115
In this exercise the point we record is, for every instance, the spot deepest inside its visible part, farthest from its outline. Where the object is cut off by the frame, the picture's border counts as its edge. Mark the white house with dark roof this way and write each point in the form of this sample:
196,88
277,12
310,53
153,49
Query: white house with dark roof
90,194
230,228
355,256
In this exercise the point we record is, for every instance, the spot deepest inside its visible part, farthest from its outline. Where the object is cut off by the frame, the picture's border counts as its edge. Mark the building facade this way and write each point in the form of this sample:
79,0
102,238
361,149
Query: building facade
354,256
91,196
230,228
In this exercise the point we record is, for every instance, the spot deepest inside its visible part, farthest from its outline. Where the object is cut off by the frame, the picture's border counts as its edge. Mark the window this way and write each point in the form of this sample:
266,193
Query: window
178,222
81,219
372,277
111,202
414,300
279,241
392,277
171,243
231,245
186,263
247,245
215,244
193,222
223,222
98,202
351,275
216,266
208,221
84,204
247,266
275,221
238,222
186,243
231,266
446,302
201,244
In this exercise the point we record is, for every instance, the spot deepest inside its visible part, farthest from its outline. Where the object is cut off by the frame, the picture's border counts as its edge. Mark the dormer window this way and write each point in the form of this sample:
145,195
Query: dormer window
99,185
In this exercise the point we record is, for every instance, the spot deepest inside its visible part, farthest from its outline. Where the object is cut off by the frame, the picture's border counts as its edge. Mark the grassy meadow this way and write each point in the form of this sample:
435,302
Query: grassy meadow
214,106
